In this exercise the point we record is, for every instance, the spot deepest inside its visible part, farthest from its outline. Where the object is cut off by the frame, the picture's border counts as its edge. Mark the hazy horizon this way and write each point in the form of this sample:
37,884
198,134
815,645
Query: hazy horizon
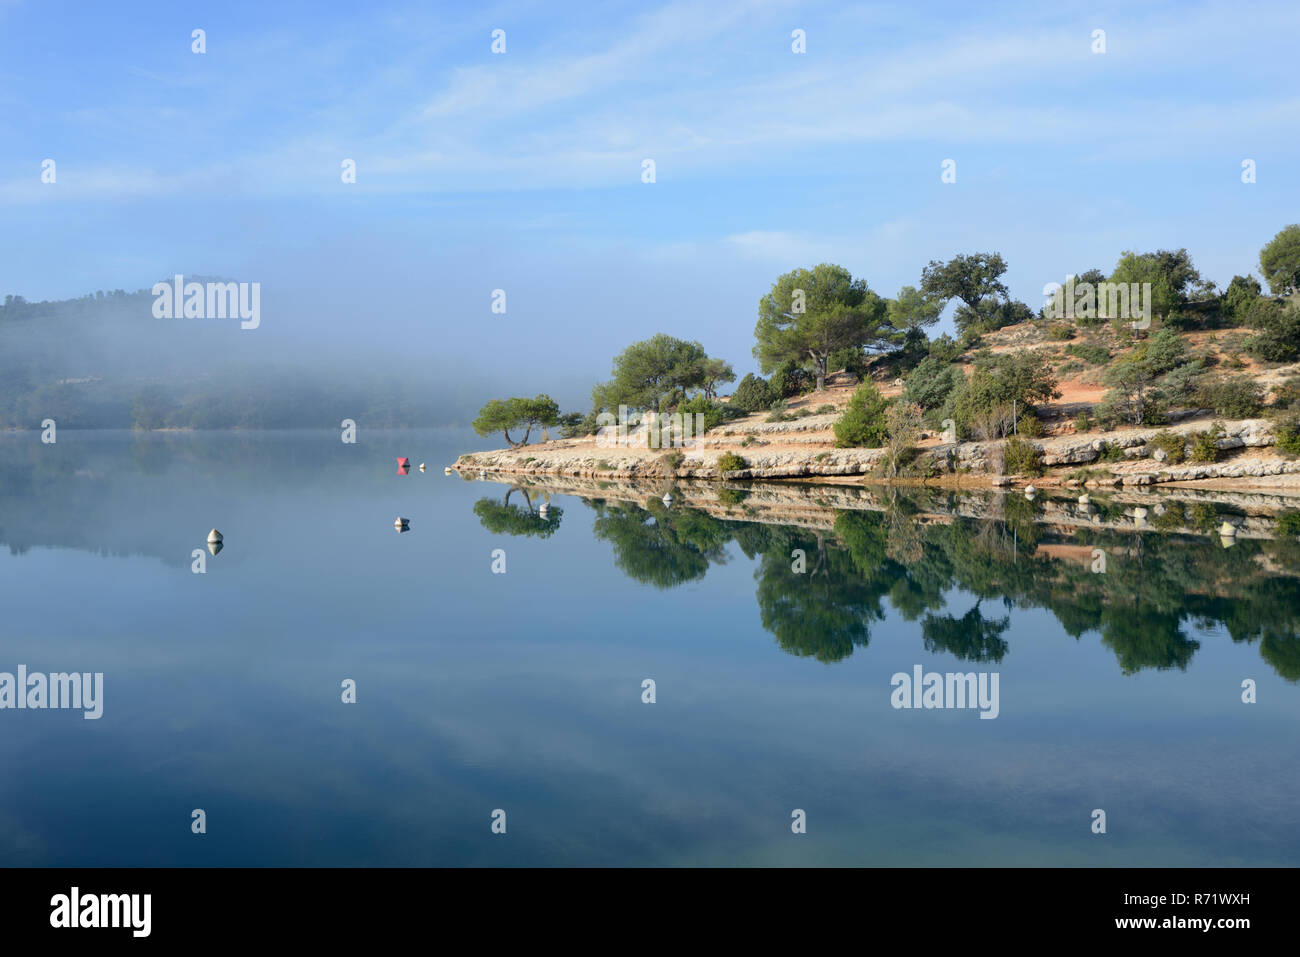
522,171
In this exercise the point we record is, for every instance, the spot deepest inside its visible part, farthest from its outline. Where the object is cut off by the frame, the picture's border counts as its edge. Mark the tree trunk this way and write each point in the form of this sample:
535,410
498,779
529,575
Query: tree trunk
821,371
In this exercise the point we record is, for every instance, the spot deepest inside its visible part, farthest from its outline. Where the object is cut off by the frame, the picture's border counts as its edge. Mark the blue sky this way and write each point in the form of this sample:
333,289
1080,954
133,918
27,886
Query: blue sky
522,171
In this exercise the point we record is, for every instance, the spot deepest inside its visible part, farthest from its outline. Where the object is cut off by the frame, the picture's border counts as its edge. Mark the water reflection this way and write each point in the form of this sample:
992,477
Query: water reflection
540,520
820,589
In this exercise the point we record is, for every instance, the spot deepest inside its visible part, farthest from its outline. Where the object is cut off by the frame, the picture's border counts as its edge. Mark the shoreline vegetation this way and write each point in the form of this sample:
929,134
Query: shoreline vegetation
1148,375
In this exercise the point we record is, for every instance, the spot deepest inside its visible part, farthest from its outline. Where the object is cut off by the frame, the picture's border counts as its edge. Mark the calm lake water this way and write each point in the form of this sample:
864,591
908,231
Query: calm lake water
522,691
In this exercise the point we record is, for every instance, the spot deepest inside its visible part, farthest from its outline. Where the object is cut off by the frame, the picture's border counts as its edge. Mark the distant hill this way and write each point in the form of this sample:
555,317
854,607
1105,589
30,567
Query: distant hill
104,361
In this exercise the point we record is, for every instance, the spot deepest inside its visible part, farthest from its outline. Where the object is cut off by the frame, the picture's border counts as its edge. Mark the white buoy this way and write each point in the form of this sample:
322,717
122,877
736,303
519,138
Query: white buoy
543,510
1228,530
447,470
401,524
668,498
1030,492
1084,500
214,536
421,466
482,473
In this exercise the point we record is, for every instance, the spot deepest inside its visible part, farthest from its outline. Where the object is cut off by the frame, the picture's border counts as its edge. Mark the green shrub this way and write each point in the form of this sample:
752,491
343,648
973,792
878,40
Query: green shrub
731,462
1287,392
790,380
945,349
931,382
1164,352
1089,352
1060,331
826,409
1235,397
575,424
1174,446
1111,411
752,394
982,405
1278,331
715,413
1030,426
863,423
1204,448
1021,458
1181,386
1067,369
1084,422
1286,430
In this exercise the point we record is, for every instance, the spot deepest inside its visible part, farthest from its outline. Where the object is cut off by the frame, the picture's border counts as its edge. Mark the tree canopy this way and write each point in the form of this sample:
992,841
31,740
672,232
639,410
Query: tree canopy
502,415
1170,273
1279,261
974,280
659,372
810,313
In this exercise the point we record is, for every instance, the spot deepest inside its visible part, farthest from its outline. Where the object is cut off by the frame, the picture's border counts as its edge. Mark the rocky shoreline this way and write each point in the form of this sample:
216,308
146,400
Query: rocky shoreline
804,450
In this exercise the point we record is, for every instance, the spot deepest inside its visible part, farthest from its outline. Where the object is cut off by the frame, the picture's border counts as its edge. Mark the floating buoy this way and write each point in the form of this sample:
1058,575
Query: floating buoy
1228,530
214,536
1139,515
668,498
402,524
421,466
482,473
1084,500
403,463
214,547
447,470
543,510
